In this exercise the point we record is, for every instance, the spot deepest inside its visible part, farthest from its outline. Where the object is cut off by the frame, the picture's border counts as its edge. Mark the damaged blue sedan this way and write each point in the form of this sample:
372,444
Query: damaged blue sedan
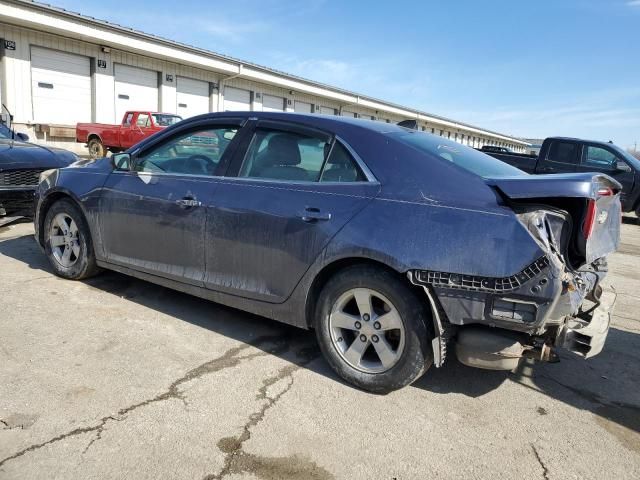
392,244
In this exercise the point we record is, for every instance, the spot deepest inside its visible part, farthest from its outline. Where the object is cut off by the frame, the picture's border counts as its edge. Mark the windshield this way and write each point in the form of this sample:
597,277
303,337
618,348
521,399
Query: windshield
627,156
468,158
163,120
5,133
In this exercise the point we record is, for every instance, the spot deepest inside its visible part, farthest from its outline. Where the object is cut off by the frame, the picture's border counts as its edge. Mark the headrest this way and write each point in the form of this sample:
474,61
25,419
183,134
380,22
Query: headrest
283,150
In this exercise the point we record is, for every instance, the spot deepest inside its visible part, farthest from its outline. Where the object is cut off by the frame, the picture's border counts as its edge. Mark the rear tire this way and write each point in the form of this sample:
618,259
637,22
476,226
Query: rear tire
67,242
96,148
373,329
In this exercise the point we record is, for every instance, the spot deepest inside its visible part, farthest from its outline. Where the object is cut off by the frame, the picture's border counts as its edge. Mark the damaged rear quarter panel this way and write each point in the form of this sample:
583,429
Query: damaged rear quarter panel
439,238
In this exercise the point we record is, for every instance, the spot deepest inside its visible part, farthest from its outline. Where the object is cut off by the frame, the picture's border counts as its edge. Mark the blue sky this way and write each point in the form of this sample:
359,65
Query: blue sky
531,69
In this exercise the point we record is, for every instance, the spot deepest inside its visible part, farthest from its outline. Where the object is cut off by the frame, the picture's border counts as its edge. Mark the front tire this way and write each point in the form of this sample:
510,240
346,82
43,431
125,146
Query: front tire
373,329
67,242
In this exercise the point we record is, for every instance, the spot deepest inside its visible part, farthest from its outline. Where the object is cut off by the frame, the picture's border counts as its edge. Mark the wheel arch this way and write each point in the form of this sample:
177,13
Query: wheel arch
93,135
47,202
329,270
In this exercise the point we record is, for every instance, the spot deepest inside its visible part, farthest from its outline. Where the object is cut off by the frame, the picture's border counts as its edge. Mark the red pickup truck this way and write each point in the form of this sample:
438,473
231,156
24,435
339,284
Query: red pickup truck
136,125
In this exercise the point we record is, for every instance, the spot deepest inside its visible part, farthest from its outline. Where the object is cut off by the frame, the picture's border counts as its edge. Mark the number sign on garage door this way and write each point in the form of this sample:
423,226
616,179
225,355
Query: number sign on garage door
61,87
236,100
192,97
135,89
302,107
271,103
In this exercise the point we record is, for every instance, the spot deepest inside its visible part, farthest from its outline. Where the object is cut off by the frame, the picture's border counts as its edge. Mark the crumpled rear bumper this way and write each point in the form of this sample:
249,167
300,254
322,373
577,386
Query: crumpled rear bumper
585,335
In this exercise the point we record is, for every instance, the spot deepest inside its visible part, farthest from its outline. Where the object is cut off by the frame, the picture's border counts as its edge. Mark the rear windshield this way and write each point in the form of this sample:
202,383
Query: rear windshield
162,120
466,157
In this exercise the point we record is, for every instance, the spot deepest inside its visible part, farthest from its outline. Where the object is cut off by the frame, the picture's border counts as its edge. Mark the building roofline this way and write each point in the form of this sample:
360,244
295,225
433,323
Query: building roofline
50,9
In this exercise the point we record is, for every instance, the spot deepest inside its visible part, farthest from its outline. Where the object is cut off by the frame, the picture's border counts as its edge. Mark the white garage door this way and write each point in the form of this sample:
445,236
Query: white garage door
302,107
192,97
136,89
271,103
61,87
327,111
345,113
236,100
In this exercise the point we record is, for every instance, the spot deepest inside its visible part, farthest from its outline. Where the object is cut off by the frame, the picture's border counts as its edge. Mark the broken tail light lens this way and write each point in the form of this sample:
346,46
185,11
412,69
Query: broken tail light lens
589,220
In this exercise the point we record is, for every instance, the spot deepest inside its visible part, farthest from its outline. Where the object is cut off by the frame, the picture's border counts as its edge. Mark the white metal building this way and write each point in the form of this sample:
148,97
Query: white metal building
58,68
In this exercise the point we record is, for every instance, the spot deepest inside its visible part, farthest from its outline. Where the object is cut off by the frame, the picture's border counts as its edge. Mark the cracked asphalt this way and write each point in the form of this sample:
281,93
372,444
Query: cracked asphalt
118,378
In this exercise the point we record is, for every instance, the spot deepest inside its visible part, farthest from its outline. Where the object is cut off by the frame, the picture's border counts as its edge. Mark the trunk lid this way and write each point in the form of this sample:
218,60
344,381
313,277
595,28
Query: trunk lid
592,201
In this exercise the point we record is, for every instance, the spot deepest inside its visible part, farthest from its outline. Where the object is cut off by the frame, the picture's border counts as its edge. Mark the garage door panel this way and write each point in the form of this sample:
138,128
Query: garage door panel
236,100
271,103
327,111
135,89
301,107
192,97
60,86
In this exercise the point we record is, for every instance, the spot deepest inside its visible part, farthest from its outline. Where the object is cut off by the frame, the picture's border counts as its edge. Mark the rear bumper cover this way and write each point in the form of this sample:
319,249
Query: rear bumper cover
543,304
586,334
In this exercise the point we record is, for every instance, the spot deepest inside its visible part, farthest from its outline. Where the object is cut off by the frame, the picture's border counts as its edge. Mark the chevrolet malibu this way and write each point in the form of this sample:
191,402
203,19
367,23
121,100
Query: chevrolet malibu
392,244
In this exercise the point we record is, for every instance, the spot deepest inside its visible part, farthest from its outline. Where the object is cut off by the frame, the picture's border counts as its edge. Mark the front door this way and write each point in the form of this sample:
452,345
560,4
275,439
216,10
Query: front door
290,193
152,218
601,159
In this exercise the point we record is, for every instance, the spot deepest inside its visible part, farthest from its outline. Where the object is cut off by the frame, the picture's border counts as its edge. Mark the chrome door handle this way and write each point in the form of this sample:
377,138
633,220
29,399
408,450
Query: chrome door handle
188,202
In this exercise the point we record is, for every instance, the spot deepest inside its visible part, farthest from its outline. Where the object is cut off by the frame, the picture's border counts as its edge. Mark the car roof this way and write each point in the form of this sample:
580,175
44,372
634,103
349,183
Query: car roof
308,119
573,139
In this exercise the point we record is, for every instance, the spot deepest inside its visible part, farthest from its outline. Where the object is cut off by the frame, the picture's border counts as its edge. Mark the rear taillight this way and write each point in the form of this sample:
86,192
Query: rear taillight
605,192
589,219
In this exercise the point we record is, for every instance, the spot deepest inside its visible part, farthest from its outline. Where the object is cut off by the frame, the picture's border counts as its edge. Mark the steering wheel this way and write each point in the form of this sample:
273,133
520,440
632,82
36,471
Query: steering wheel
201,163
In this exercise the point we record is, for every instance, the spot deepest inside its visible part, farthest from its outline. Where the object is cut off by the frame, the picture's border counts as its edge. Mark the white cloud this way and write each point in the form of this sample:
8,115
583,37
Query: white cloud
610,115
633,3
231,30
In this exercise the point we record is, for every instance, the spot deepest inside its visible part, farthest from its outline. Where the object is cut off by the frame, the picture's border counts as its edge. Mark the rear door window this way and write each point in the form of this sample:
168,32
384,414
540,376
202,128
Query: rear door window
283,155
563,152
296,157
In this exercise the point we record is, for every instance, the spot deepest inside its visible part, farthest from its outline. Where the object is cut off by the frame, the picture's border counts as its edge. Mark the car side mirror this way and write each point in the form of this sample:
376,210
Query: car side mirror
23,137
121,161
622,167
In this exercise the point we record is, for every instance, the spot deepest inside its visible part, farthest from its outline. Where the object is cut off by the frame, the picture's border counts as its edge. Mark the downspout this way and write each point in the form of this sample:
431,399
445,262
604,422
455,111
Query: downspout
221,83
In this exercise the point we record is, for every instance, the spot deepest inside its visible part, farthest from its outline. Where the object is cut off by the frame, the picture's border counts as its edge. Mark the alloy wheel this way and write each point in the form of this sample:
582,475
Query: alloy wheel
367,330
64,241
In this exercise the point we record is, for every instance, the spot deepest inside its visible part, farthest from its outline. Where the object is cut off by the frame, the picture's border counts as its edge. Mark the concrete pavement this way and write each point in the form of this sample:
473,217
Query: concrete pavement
118,378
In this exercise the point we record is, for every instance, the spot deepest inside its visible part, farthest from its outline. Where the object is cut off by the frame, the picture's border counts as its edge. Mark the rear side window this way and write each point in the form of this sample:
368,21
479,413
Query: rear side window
563,152
341,167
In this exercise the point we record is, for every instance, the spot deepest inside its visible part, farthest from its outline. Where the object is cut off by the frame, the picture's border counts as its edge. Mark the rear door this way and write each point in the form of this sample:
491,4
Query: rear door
152,217
289,190
602,159
563,156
